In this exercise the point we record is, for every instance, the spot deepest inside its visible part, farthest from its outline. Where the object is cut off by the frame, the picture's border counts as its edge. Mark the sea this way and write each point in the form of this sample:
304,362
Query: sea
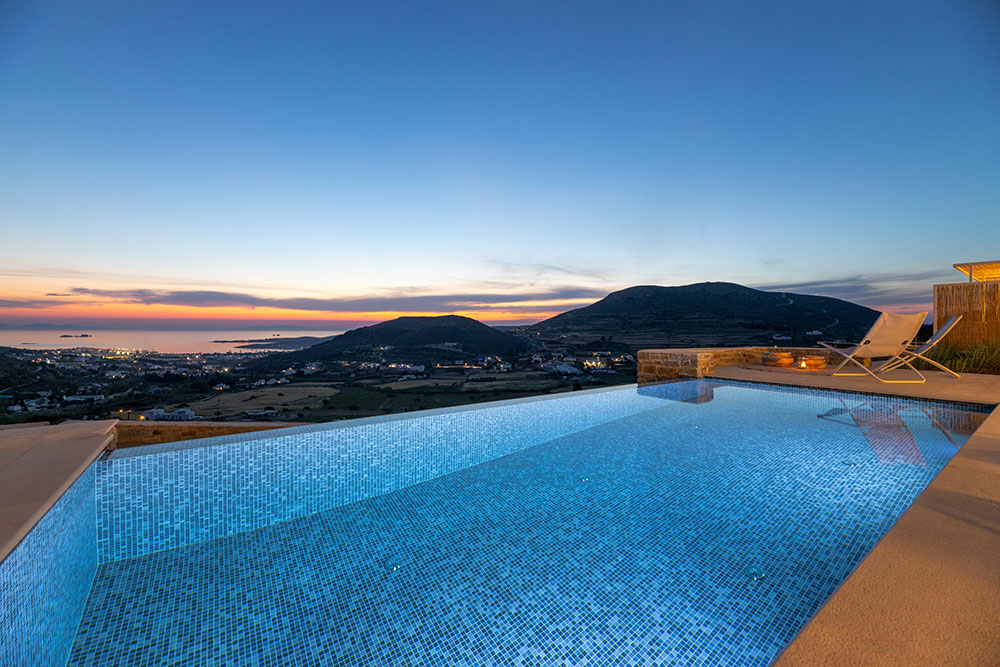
171,342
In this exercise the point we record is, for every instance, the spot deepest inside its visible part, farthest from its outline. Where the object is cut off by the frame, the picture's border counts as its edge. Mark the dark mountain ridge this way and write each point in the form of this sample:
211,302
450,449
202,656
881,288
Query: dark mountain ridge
710,313
699,315
414,339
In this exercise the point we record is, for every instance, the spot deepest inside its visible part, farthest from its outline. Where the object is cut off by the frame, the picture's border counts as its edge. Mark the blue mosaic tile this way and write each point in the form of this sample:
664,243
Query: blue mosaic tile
692,523
45,580
168,499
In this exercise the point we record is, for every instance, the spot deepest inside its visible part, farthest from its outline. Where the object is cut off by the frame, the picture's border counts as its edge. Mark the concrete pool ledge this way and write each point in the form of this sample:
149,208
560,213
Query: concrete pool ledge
38,465
929,592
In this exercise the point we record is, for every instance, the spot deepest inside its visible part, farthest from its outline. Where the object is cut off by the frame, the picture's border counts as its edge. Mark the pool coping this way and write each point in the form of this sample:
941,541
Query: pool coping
38,465
929,592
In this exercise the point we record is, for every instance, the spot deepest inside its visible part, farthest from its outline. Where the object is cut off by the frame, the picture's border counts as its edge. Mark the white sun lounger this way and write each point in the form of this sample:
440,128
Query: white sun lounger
918,351
890,336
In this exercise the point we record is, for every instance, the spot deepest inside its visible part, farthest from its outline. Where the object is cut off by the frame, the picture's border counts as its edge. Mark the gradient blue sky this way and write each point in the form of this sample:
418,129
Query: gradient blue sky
346,162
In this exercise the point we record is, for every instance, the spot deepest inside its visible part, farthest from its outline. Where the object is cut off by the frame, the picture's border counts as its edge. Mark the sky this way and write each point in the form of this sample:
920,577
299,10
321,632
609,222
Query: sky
324,165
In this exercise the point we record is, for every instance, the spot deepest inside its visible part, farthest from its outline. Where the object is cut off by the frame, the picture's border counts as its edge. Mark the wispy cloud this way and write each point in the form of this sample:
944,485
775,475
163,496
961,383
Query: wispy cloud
24,303
388,303
898,289
59,274
540,270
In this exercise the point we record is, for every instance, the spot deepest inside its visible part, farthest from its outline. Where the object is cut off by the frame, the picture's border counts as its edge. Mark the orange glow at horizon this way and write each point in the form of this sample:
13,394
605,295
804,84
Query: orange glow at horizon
141,312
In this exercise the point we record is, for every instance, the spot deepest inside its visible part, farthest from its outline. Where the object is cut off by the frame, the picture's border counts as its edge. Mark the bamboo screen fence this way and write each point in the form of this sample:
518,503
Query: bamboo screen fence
979,306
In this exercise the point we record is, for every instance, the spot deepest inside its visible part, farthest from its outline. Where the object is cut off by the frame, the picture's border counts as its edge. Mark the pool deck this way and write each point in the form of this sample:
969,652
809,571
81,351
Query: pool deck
929,592
939,386
37,465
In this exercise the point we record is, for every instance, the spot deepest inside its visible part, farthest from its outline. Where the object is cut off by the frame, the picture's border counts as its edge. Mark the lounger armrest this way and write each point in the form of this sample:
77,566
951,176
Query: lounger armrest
827,343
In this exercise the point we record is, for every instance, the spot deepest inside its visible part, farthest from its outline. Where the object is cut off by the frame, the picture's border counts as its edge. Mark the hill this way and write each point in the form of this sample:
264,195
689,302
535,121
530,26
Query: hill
708,314
414,339
16,374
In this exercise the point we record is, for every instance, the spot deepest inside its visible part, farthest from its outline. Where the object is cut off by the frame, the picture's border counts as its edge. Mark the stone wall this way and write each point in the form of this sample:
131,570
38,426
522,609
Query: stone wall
696,362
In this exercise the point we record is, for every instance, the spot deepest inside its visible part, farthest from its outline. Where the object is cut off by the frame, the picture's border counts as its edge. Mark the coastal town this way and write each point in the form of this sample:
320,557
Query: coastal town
88,383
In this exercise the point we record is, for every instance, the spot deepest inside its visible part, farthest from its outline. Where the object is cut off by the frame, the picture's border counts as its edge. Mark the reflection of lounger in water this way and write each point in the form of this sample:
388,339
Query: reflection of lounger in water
886,432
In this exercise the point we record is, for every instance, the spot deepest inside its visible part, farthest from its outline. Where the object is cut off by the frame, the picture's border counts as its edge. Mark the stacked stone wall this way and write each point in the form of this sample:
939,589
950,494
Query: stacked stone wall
668,364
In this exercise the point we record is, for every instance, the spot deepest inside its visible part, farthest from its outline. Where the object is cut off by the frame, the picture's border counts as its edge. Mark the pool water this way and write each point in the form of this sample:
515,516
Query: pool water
704,527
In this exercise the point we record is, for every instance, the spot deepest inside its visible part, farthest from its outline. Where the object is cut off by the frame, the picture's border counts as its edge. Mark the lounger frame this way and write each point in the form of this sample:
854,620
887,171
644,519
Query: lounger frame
882,337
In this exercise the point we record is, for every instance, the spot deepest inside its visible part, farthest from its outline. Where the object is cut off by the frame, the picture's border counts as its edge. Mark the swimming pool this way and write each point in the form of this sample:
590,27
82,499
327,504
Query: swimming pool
698,522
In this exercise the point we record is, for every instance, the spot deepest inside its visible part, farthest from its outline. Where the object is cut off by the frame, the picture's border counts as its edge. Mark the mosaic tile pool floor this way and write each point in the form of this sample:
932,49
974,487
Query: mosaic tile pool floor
704,532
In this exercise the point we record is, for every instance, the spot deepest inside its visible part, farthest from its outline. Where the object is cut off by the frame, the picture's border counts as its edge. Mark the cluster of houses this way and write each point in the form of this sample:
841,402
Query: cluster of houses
93,377
121,364
101,377
178,415
46,400
564,363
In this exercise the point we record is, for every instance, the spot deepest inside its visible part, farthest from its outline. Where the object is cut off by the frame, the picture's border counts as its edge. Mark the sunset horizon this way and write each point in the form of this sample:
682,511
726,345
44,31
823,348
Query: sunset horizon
369,162
79,308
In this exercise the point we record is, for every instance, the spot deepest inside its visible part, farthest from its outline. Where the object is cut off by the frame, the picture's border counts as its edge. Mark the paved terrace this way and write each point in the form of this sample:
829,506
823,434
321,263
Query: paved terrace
37,465
929,593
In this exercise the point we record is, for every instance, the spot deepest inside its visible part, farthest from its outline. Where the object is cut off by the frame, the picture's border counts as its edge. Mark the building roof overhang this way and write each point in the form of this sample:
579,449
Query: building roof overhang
980,271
